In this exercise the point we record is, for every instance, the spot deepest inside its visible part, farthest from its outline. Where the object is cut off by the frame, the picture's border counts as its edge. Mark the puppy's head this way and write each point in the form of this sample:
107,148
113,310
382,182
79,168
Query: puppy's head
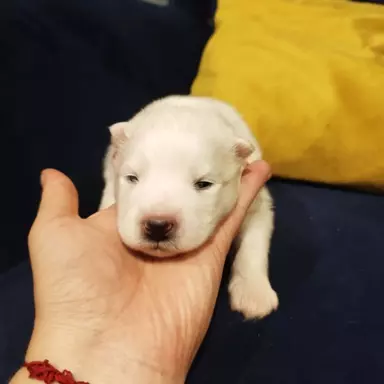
178,165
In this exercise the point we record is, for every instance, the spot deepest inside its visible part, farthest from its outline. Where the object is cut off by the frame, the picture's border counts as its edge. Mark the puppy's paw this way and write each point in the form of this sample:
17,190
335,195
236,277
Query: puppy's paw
254,298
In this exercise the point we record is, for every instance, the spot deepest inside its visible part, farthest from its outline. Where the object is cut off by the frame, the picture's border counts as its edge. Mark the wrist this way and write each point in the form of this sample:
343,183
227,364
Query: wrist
92,362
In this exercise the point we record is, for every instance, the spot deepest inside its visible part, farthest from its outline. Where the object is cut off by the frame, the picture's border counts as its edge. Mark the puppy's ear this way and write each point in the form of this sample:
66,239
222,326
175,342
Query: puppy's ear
230,116
118,138
243,149
118,134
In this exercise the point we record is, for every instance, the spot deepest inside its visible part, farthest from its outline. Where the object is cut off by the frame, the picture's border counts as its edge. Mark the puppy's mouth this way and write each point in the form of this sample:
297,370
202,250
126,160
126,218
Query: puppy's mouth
158,249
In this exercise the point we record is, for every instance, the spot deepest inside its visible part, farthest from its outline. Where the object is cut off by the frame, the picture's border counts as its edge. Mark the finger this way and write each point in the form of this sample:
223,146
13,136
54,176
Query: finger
59,196
253,179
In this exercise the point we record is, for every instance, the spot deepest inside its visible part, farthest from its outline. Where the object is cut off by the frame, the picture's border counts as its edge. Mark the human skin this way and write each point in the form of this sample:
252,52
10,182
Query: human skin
108,315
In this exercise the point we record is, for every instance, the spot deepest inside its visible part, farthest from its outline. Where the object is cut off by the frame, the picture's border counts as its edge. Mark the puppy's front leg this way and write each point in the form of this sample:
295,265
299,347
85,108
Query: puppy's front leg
250,289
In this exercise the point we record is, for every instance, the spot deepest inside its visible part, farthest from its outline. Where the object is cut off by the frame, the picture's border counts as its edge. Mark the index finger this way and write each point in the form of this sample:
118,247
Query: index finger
254,177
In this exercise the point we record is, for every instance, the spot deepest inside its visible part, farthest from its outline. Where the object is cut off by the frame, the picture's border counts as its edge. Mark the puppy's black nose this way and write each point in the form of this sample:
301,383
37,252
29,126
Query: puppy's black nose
158,229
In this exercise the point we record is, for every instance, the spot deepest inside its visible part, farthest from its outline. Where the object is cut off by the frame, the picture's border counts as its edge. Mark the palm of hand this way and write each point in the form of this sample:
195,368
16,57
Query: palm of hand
91,281
96,302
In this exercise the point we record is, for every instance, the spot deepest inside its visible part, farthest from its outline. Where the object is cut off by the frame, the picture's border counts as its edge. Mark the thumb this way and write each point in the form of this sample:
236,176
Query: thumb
59,197
253,179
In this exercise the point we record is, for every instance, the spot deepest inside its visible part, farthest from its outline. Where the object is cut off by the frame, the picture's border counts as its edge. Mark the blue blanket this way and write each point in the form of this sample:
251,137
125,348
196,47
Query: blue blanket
69,69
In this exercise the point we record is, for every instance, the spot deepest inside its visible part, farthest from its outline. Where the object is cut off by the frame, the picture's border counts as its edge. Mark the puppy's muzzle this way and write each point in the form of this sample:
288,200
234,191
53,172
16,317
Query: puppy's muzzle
159,229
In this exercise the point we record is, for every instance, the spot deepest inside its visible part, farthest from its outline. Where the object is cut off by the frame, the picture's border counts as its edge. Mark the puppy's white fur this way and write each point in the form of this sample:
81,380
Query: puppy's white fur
165,149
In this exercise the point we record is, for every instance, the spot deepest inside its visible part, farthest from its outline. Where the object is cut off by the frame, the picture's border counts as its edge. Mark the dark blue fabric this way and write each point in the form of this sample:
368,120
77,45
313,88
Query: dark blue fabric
327,265
73,67
70,68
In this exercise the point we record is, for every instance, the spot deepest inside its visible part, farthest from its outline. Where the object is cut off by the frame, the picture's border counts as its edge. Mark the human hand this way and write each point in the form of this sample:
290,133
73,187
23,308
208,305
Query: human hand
108,315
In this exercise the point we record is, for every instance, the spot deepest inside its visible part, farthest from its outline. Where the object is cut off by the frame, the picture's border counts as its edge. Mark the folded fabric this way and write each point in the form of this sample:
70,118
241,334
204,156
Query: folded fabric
308,76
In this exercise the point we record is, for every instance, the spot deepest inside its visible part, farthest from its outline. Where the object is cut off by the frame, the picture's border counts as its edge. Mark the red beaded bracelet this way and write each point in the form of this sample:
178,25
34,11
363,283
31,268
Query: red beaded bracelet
43,371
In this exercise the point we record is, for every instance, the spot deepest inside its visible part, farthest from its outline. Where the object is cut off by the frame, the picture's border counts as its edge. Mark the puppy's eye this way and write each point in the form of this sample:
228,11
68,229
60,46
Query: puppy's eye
203,184
132,179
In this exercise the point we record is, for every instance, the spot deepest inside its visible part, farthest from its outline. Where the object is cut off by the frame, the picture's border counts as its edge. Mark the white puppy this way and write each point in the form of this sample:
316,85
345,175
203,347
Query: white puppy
174,172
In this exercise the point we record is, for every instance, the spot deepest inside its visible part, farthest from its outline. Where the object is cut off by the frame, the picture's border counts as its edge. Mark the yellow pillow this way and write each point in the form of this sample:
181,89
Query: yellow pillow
308,77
